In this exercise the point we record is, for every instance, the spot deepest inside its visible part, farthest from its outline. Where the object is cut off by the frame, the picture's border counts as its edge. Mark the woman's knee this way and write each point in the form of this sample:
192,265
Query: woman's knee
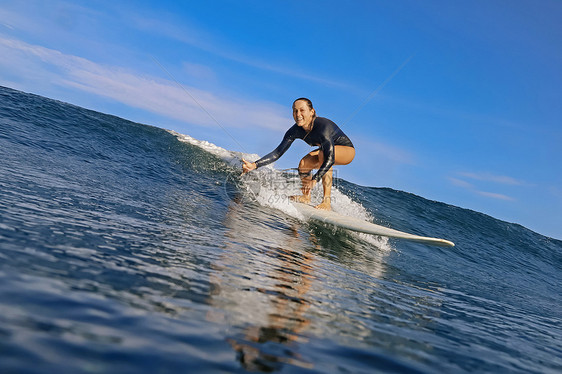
309,162
302,164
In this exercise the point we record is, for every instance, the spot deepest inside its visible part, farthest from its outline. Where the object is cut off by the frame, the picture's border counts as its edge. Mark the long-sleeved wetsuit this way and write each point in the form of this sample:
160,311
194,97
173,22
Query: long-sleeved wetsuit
325,134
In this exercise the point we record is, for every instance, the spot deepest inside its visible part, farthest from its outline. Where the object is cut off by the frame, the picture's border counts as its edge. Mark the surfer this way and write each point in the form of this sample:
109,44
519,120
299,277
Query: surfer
335,148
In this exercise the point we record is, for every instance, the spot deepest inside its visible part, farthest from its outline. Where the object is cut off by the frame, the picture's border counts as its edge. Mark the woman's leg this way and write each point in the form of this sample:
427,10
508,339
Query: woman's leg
308,163
342,156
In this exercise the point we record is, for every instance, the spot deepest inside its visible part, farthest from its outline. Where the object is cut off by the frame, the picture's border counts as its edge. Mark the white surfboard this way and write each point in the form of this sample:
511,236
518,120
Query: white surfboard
355,224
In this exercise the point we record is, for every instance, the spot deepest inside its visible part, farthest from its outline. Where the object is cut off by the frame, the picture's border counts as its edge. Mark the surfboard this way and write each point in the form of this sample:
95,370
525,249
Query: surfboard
355,224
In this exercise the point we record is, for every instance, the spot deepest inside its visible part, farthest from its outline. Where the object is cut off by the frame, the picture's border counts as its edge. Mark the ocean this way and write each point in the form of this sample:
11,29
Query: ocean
127,248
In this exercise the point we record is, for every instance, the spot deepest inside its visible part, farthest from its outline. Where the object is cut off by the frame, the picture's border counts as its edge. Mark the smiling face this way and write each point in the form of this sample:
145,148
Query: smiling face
303,114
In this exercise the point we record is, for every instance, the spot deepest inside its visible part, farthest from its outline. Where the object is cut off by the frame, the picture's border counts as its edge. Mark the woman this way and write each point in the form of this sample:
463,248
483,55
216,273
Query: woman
335,148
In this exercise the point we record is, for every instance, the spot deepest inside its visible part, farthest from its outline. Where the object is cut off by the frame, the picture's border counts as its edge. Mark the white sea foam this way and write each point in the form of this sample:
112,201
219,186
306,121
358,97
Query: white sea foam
271,187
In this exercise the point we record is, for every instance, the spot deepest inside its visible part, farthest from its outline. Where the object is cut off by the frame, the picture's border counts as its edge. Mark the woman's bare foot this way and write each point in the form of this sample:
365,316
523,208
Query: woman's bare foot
300,199
324,205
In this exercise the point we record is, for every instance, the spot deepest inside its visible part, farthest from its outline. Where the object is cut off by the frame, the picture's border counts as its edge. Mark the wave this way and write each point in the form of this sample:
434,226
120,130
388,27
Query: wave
272,188
147,235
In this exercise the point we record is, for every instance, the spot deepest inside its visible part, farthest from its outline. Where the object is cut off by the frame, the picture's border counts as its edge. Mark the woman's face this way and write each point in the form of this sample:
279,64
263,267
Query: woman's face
302,114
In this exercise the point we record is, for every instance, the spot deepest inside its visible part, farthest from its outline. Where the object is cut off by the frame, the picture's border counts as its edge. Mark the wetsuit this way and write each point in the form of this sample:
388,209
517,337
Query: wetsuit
325,134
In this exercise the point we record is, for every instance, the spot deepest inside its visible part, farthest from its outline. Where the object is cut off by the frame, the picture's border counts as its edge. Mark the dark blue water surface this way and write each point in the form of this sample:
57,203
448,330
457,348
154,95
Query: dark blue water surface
125,250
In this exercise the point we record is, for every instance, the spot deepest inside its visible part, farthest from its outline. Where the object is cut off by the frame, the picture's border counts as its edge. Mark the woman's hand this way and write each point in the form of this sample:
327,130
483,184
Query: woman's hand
248,166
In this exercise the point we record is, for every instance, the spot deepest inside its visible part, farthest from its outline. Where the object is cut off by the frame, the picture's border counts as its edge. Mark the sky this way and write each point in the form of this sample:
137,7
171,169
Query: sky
454,101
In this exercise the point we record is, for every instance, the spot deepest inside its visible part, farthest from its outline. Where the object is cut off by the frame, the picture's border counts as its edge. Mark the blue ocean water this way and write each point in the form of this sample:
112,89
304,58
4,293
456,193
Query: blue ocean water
126,248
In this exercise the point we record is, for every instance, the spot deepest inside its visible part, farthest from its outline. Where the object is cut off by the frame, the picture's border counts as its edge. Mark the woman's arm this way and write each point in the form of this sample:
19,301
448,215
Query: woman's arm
279,151
273,155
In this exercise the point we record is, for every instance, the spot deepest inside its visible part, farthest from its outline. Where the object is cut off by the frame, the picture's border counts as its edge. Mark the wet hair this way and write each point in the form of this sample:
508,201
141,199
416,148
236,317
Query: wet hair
308,103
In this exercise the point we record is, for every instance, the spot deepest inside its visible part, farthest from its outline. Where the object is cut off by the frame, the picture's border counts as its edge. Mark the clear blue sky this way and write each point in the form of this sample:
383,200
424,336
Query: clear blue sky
467,107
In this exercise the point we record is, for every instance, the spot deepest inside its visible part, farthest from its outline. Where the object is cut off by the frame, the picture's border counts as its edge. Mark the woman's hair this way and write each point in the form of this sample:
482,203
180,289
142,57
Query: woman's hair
308,102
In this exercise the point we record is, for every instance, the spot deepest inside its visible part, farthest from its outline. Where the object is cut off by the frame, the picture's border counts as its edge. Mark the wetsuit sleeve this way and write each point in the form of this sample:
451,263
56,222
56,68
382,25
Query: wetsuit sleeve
329,159
279,151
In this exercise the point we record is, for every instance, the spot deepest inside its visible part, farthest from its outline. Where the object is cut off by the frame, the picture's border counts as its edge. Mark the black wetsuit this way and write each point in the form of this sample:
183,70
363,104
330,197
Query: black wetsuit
325,134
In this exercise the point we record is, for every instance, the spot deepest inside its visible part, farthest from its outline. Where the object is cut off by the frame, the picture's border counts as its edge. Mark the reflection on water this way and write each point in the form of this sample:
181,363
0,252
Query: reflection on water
260,286
274,283
278,286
